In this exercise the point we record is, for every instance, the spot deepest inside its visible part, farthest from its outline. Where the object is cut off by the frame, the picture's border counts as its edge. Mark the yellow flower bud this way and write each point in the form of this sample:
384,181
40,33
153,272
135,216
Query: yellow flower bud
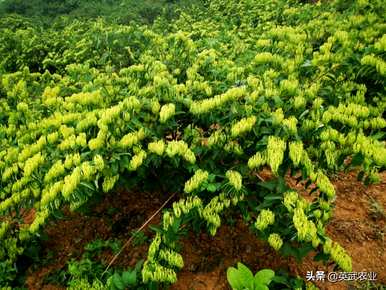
167,111
275,241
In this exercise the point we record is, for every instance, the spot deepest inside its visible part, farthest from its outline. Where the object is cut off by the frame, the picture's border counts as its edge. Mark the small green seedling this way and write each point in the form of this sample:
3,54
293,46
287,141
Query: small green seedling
242,278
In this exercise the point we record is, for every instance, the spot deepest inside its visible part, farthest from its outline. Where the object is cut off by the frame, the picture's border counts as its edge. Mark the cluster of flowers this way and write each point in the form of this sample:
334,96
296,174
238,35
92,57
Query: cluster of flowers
265,218
306,229
131,139
235,179
375,61
152,268
107,117
196,180
275,152
157,147
182,149
209,213
258,70
275,241
257,160
243,126
338,254
86,99
167,111
208,105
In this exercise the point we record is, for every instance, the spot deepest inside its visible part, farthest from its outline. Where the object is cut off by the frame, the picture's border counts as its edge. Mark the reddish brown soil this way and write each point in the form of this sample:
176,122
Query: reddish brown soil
67,237
355,226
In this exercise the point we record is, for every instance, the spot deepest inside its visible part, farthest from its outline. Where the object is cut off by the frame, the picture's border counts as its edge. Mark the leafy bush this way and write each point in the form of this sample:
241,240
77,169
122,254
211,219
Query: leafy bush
242,278
201,104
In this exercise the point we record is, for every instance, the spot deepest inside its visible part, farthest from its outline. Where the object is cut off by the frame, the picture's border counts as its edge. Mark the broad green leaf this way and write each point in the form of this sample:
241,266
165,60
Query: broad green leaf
261,287
234,279
246,275
264,277
211,187
118,282
129,277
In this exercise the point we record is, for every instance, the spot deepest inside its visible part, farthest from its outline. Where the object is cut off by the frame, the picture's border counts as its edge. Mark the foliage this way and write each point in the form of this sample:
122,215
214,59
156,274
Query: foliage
117,11
139,238
241,278
86,273
201,103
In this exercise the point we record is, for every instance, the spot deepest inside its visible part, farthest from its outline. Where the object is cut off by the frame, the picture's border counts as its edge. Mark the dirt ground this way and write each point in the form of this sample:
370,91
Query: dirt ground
358,224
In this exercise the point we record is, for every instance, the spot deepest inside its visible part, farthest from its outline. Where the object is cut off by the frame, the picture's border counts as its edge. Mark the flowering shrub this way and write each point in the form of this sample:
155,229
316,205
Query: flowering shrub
203,107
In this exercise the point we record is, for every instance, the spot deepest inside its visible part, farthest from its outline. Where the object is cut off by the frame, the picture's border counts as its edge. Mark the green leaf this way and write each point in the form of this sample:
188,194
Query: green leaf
321,257
129,277
303,251
302,115
139,265
87,185
270,185
360,175
117,281
357,159
261,287
234,279
273,197
246,275
264,277
211,187
280,280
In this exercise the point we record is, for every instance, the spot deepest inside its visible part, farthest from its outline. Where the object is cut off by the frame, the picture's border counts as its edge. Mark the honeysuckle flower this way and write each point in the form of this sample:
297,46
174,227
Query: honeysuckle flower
8,172
172,258
56,170
52,138
257,160
207,105
109,182
289,87
275,241
32,164
71,182
50,194
291,123
306,229
132,139
265,218
154,246
137,160
40,218
290,199
167,111
196,180
99,162
216,138
296,152
88,170
243,126
235,179
180,148
275,152
299,102
157,147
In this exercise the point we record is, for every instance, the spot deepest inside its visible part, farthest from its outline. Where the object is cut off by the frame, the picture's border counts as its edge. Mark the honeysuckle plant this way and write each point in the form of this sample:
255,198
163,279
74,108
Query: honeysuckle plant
201,108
